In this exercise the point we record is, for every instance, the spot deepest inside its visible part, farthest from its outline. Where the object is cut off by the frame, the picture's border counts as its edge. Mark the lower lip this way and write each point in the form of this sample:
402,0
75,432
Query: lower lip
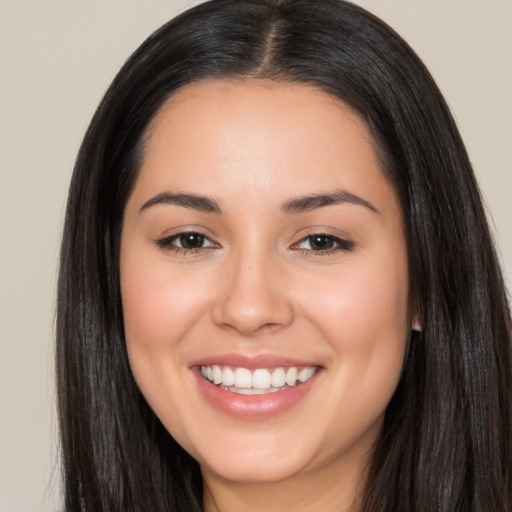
253,407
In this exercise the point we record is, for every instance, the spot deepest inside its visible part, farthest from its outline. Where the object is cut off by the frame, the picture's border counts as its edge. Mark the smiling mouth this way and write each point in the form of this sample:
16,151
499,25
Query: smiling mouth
259,381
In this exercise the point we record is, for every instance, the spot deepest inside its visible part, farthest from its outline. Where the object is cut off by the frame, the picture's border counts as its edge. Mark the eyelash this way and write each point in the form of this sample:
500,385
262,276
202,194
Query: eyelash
169,243
340,244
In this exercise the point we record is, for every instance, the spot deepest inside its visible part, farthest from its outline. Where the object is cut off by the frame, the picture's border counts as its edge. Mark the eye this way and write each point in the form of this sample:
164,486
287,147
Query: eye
323,244
187,241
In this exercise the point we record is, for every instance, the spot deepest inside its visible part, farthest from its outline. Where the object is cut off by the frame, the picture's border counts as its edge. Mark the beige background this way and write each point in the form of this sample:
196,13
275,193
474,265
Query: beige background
56,59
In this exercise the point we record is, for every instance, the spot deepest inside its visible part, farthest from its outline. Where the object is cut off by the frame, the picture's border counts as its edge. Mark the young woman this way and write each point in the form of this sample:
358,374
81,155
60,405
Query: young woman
278,289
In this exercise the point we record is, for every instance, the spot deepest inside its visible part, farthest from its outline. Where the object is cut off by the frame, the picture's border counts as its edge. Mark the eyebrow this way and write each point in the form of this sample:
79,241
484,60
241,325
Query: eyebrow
298,205
195,202
312,202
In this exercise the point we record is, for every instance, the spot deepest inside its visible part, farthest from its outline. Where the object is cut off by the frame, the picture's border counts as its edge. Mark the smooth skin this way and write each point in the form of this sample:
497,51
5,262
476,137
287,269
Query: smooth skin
252,280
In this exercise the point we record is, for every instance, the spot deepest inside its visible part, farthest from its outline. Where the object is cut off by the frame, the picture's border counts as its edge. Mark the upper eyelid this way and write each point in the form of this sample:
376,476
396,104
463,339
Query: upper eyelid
322,231
180,230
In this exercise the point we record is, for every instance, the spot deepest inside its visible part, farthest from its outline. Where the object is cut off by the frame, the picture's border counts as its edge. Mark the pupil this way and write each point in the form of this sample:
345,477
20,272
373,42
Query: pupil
321,242
191,240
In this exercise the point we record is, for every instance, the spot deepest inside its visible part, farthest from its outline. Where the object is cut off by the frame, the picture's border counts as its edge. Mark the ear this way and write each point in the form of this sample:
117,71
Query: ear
416,326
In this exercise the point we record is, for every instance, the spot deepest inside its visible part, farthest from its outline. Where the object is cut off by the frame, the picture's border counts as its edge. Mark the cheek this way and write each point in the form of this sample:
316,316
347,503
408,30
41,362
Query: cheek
366,321
369,301
158,305
162,309
363,314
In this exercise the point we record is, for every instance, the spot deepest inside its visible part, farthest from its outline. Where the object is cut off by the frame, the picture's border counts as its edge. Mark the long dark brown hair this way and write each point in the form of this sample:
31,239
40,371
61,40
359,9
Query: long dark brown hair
446,441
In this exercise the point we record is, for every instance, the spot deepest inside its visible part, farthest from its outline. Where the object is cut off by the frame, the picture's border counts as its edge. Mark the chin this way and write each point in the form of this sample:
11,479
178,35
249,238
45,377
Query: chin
239,469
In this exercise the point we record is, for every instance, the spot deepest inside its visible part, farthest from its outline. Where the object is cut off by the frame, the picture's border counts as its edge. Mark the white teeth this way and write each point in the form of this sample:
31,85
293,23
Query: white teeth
278,378
261,379
291,376
217,375
306,373
243,378
228,376
258,381
251,391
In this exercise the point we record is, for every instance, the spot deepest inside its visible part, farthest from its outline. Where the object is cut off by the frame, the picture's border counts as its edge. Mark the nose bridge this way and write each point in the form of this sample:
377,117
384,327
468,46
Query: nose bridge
252,295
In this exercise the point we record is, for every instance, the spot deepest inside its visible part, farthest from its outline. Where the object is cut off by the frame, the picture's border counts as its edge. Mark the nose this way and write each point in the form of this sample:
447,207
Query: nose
252,297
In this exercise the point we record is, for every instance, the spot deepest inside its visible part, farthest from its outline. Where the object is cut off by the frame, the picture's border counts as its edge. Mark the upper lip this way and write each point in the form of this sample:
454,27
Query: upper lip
252,361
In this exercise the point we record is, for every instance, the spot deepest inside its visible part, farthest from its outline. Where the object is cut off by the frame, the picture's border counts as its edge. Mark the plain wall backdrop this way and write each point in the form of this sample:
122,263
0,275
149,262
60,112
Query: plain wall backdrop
56,60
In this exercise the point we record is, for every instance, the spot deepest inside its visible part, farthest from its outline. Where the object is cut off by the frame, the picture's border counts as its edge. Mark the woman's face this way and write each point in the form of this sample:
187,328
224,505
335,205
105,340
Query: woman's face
264,280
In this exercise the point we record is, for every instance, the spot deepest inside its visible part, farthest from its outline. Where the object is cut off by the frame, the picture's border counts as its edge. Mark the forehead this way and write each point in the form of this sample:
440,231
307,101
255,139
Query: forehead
273,107
220,136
